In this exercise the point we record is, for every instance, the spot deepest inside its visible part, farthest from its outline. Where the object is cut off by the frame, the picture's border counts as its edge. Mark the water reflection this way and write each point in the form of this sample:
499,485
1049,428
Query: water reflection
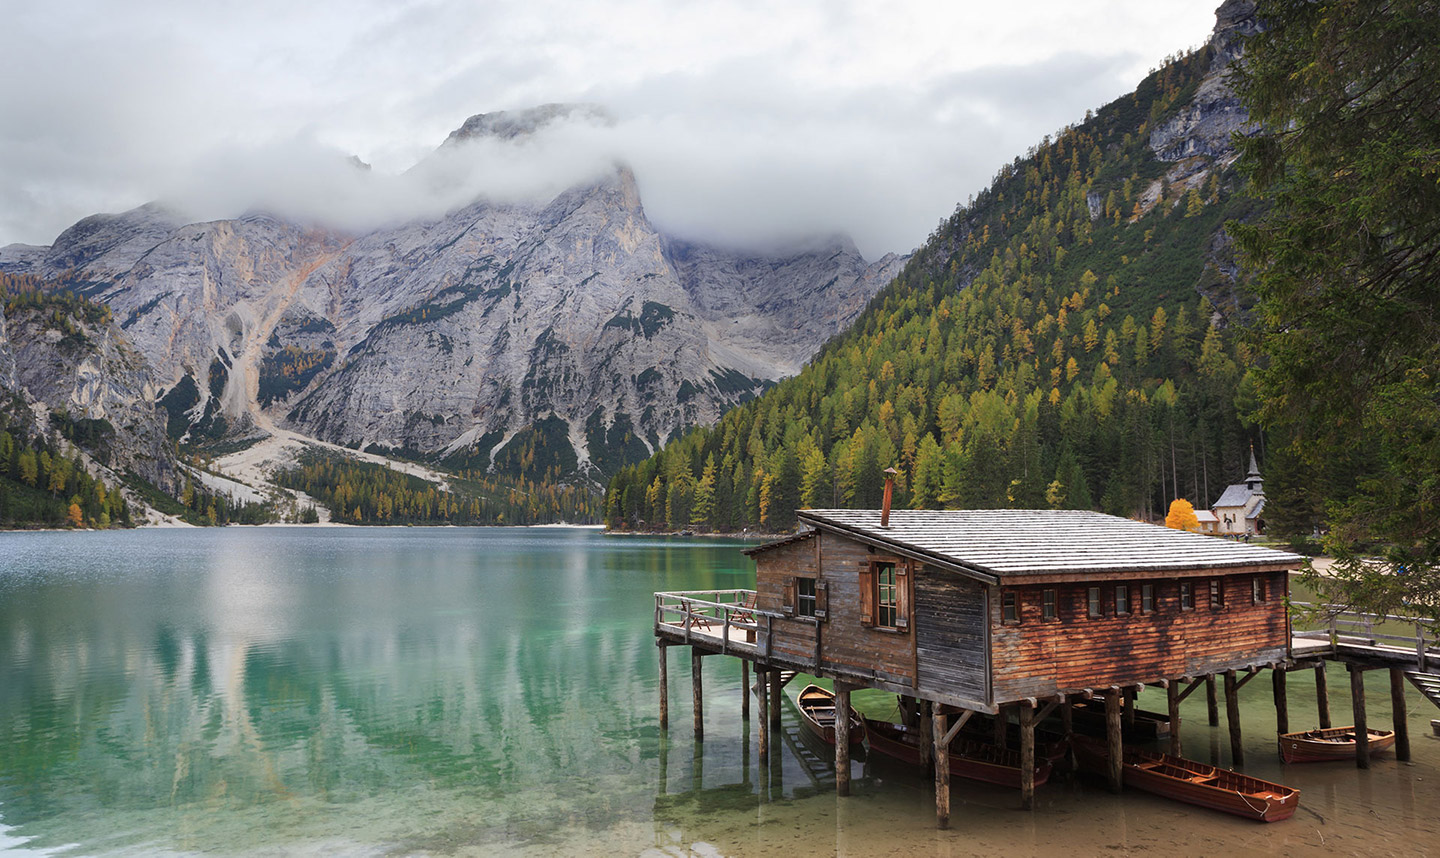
449,691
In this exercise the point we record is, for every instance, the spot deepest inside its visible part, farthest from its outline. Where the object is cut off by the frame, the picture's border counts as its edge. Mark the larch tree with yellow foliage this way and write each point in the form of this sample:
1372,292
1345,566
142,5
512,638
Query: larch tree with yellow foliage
1182,516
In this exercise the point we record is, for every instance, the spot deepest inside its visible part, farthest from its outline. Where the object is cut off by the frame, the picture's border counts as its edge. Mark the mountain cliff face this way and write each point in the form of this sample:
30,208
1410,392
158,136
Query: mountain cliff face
1062,340
65,368
551,338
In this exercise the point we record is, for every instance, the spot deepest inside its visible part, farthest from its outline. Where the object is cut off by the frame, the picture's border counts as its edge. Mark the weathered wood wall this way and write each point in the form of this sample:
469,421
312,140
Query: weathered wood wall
1035,657
847,644
792,639
950,623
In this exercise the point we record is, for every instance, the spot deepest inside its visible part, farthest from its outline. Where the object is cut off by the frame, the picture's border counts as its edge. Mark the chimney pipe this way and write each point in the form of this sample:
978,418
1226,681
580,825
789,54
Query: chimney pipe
890,474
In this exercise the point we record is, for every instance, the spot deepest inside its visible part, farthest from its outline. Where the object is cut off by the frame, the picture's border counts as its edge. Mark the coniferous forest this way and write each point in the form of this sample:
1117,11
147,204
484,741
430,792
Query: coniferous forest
1066,339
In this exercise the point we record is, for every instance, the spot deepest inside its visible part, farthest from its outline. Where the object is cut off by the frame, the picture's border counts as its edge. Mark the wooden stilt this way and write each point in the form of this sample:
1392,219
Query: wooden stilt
1282,701
1129,700
1211,702
664,762
1113,741
842,739
664,687
1322,697
942,770
927,741
1002,726
762,694
697,691
775,692
1067,726
1232,717
1172,697
1362,730
1401,717
1027,757
745,689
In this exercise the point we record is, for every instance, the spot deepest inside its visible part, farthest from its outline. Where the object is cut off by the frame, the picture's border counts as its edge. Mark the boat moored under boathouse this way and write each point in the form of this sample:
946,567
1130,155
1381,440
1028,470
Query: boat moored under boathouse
996,612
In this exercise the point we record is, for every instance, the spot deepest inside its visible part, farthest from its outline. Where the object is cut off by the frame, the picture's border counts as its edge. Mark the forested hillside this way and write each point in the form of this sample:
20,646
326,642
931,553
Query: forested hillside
1063,340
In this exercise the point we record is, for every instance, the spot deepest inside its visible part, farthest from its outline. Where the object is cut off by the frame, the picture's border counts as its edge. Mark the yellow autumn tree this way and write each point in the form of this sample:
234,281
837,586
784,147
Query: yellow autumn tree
77,517
1182,516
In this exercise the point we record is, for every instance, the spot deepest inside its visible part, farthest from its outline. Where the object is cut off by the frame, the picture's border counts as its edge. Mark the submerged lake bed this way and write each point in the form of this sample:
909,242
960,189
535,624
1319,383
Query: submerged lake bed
446,691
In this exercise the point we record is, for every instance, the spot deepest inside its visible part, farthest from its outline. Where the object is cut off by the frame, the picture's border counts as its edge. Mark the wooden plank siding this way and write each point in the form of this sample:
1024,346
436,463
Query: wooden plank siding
950,620
1037,658
793,638
847,644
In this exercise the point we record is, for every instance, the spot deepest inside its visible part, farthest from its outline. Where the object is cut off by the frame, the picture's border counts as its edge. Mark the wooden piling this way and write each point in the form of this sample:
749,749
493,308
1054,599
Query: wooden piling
1282,701
1401,717
1113,740
1362,730
1027,757
775,692
1172,697
745,689
927,741
942,769
697,690
762,686
1232,717
1322,696
1129,699
1212,704
1067,726
1001,724
664,688
842,739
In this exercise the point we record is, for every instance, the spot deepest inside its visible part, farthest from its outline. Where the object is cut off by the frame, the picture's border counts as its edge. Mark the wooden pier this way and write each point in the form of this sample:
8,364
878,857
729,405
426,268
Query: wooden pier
1018,615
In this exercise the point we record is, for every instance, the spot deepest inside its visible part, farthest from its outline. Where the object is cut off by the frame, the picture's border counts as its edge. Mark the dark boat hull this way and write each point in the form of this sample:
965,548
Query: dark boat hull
1089,717
1195,783
1329,745
817,712
968,759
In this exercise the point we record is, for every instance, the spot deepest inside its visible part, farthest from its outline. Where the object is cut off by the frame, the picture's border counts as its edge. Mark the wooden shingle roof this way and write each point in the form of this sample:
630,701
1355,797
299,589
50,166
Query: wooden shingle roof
1002,543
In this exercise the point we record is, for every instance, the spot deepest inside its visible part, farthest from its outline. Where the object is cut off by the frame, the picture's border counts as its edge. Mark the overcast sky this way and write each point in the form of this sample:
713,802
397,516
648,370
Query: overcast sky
744,121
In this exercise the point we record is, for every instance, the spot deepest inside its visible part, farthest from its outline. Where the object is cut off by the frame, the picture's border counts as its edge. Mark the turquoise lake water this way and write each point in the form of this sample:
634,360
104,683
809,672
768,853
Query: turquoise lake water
371,691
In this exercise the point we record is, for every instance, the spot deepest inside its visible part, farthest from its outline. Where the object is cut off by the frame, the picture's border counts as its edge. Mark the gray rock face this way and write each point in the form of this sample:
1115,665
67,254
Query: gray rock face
1215,113
456,334
21,258
90,373
508,125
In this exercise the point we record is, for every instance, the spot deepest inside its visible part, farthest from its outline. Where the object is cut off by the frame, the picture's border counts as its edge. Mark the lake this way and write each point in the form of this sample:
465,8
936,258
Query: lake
373,691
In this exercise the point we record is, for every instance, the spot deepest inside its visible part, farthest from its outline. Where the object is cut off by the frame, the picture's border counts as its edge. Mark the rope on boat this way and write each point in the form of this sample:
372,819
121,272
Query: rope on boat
1264,808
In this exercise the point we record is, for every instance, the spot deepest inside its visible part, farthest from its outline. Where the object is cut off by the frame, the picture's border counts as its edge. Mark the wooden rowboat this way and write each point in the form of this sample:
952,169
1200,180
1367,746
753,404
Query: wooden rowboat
968,758
1334,743
1195,782
1049,745
817,711
1089,717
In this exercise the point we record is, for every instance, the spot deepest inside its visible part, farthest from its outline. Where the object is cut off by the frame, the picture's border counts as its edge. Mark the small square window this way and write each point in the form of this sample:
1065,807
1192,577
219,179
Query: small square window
1217,594
1047,605
1147,598
1187,596
805,597
1009,608
1093,602
1122,599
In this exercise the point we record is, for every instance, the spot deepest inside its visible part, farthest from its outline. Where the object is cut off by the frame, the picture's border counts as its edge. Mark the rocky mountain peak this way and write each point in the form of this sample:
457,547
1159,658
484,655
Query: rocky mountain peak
508,125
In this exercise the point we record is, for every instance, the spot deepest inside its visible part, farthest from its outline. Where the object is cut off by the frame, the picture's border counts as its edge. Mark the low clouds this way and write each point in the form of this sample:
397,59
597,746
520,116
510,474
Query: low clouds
745,123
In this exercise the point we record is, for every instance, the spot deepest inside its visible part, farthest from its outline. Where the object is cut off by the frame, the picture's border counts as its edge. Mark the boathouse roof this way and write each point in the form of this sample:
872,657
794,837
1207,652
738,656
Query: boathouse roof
1003,543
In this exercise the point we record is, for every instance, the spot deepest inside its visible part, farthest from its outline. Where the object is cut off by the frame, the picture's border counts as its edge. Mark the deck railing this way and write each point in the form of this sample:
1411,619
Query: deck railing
713,613
1338,626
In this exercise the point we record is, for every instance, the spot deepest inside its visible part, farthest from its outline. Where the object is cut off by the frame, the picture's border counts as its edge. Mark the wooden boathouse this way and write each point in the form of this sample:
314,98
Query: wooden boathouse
1017,613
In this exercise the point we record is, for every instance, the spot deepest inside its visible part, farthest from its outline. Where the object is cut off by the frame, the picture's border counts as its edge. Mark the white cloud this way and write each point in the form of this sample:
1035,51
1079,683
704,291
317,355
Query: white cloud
745,121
